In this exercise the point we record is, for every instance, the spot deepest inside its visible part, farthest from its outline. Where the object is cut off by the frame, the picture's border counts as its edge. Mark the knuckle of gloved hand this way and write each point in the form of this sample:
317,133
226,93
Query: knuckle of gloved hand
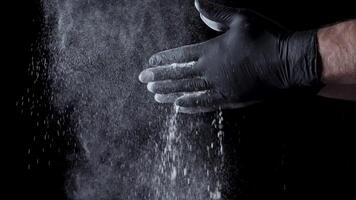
236,20
204,84
199,84
240,21
190,85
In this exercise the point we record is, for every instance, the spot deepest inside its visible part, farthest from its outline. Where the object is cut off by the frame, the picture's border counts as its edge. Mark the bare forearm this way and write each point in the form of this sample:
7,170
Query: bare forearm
337,47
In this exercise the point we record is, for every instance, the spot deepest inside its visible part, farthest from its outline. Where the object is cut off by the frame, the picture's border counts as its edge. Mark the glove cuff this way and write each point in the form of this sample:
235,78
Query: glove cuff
303,60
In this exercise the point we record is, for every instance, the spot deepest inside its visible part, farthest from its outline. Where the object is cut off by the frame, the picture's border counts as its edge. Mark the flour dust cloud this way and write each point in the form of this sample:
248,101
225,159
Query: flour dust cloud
130,146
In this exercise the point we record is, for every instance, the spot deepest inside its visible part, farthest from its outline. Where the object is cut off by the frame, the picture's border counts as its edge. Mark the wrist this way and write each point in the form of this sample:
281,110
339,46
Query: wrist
303,62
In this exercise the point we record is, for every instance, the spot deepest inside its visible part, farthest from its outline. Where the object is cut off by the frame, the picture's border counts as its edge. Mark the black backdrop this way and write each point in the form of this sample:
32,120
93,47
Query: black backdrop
312,135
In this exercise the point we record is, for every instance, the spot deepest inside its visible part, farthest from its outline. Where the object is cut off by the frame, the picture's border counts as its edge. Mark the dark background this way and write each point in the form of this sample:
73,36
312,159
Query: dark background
298,146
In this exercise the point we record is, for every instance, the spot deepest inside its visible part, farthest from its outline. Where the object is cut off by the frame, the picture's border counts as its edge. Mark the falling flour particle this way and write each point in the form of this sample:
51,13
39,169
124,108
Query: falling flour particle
215,195
174,167
218,168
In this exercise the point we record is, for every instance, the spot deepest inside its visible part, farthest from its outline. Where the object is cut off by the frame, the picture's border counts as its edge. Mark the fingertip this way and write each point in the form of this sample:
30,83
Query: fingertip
196,5
212,24
141,78
150,87
184,110
190,110
217,17
158,98
146,76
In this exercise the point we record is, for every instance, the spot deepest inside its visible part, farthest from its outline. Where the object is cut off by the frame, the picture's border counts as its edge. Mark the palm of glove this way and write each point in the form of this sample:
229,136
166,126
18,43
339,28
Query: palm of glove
244,64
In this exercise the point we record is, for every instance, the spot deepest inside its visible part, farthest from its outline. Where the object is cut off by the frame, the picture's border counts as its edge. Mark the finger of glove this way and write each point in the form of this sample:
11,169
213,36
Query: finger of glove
199,99
200,109
217,17
209,98
169,72
177,55
167,98
183,85
194,110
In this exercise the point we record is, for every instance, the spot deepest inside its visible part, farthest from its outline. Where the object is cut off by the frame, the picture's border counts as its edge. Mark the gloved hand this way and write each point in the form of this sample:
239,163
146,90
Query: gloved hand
255,58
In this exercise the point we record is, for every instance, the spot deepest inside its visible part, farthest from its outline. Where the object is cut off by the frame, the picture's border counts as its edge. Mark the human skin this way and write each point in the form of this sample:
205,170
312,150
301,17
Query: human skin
337,48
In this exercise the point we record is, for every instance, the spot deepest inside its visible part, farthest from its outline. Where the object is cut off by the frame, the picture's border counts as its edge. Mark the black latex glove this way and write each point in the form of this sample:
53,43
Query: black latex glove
255,58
